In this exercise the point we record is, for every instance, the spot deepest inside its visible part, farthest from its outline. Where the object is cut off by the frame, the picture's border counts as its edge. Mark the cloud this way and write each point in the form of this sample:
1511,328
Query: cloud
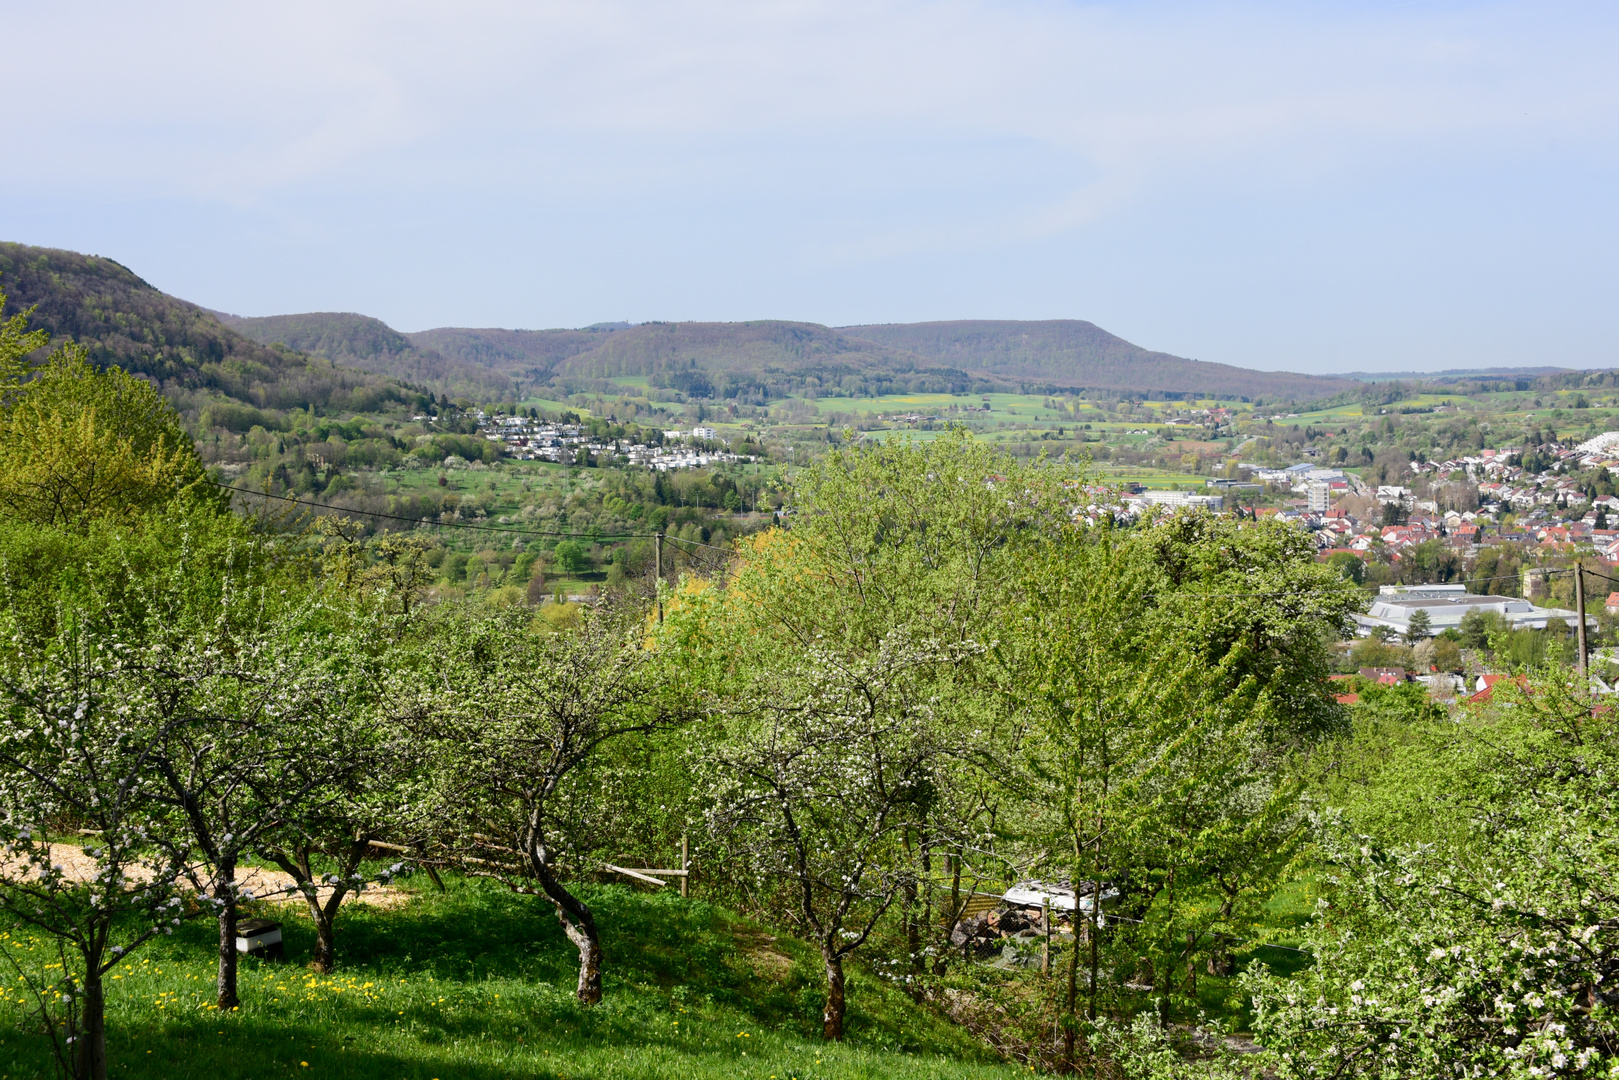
1198,167
232,102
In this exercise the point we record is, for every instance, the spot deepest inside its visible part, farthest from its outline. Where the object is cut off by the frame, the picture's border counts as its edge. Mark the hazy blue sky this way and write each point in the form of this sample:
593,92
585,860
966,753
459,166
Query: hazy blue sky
1315,186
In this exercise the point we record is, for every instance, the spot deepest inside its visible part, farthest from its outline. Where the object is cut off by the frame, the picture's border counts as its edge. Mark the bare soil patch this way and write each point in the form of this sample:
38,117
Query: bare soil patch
261,881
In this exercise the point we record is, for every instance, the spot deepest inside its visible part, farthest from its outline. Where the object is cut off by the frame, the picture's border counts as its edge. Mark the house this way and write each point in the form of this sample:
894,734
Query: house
1612,606
1385,676
1485,687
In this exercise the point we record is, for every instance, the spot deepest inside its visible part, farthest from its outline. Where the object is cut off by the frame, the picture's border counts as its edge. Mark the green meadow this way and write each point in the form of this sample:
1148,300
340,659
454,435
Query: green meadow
477,983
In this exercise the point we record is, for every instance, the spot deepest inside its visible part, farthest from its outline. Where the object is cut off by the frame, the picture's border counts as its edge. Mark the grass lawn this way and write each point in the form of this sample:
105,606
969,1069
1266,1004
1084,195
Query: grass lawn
551,405
1146,477
479,983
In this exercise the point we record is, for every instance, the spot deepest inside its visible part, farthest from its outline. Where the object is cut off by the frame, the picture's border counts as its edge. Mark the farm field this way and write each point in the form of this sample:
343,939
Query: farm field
1002,406
552,405
1151,478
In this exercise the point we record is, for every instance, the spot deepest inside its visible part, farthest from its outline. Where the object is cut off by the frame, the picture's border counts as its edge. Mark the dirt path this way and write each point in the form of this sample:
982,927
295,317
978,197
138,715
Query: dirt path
259,880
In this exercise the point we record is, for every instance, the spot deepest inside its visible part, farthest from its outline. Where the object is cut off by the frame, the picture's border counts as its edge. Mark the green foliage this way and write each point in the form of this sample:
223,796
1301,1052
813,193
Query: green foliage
571,557
949,673
1160,715
1470,922
1405,703
78,444
1352,567
111,573
1375,652
17,343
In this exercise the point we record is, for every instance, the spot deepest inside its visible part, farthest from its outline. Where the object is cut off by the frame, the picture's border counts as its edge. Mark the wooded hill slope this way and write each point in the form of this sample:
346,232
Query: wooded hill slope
369,344
346,361
1072,352
778,356
196,361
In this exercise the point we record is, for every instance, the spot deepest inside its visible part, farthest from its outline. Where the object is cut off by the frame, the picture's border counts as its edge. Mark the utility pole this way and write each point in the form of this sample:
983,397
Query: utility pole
1579,604
657,550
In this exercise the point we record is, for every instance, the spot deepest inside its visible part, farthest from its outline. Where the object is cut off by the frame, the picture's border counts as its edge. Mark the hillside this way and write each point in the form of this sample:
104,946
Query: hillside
1070,352
758,360
341,361
769,358
194,358
360,341
523,354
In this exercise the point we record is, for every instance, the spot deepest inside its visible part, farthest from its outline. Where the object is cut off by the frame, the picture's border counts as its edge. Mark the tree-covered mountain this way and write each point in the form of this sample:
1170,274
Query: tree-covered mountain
199,363
769,358
341,361
1071,352
369,344
522,354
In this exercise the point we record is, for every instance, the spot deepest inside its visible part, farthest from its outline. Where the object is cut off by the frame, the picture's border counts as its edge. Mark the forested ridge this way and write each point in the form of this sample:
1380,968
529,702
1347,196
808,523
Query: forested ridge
371,345
1071,352
120,319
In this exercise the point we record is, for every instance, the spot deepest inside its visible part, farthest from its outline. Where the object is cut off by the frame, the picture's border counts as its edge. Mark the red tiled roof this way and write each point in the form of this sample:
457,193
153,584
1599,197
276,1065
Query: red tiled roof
1489,687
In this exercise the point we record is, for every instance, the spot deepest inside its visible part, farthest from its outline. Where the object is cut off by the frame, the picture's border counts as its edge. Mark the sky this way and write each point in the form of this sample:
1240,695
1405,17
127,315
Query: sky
1311,186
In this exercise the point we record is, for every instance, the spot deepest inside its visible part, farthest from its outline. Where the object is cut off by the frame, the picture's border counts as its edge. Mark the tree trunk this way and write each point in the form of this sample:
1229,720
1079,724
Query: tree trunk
836,1005
1070,1027
91,1053
1221,962
300,866
913,928
580,926
225,892
325,917
920,961
955,914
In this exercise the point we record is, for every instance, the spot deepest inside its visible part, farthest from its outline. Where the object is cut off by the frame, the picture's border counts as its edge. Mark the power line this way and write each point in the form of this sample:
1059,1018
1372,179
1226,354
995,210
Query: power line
683,540
467,524
435,524
695,543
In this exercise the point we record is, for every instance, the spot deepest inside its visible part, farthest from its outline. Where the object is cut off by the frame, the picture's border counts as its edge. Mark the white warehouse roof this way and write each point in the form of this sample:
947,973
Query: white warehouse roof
1447,604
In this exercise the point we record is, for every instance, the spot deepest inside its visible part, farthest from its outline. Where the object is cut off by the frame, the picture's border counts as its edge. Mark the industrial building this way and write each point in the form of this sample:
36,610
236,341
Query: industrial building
1447,604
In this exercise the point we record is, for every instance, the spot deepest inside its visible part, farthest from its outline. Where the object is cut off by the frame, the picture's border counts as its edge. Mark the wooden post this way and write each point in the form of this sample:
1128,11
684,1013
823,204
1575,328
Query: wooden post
685,867
657,551
1579,604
